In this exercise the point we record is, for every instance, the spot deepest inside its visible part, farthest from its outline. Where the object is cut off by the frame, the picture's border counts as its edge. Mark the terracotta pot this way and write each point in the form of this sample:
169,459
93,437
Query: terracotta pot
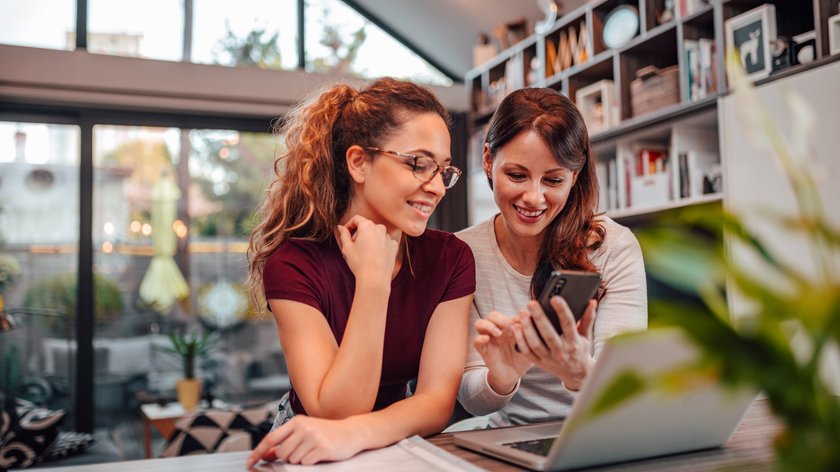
189,392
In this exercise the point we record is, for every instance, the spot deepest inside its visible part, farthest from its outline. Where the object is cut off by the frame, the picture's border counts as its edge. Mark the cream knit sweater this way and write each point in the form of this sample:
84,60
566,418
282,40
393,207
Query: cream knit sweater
540,396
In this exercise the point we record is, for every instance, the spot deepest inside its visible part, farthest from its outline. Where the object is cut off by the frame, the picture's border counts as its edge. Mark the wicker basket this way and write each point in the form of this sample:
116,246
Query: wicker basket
654,88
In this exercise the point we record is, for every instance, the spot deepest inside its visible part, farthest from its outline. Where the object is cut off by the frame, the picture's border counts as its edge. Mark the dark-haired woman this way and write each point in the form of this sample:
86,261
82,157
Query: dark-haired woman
364,296
538,161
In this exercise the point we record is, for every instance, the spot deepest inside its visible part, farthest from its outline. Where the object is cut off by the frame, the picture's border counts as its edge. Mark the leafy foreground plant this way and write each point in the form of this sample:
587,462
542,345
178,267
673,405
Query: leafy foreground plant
757,348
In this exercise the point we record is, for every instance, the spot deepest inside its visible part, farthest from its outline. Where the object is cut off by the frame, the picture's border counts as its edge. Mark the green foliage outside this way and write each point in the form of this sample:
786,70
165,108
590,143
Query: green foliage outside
232,175
257,49
59,292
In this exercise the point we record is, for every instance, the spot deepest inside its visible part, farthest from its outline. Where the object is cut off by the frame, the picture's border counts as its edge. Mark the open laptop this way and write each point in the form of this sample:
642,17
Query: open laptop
656,422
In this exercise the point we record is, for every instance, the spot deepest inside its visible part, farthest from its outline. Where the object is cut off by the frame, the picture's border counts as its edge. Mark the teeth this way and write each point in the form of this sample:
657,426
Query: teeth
422,208
529,213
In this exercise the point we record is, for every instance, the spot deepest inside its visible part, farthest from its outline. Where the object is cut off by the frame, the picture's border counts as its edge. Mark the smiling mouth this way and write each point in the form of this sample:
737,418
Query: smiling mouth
423,208
529,214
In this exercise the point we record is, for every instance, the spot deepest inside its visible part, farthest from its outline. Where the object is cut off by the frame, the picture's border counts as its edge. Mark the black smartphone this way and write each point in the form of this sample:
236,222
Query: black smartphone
575,286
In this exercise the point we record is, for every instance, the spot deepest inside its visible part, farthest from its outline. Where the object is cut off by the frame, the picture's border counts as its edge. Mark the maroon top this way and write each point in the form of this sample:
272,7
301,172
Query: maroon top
317,275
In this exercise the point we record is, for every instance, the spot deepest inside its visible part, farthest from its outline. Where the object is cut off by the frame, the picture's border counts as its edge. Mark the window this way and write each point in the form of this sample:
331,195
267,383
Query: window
261,33
152,29
39,236
183,199
26,24
339,40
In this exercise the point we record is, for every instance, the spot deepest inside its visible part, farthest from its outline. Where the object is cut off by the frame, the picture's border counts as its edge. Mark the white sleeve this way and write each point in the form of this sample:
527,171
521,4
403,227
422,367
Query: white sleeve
475,394
624,306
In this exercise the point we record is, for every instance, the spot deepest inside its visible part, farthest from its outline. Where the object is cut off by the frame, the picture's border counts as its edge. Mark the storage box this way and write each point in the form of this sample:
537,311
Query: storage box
654,88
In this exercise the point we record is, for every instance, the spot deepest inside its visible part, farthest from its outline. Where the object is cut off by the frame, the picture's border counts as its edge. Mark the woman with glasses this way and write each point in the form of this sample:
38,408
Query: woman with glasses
364,296
538,162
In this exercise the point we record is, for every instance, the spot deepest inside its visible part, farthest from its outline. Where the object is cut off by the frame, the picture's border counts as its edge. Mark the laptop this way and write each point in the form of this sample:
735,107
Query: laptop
656,422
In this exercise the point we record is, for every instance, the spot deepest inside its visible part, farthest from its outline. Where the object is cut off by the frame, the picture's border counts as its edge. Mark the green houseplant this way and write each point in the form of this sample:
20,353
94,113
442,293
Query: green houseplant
58,292
758,348
187,348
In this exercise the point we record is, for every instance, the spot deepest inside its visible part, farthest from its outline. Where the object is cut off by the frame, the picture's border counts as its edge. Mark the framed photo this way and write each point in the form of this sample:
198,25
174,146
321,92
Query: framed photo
834,35
750,34
597,105
805,47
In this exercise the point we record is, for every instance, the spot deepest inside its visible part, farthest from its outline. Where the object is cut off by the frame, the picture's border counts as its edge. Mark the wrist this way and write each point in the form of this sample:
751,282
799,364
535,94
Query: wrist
576,380
362,432
373,286
501,385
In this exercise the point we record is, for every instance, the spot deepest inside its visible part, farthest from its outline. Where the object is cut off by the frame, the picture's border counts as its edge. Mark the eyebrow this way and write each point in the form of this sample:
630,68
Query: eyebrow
520,166
424,152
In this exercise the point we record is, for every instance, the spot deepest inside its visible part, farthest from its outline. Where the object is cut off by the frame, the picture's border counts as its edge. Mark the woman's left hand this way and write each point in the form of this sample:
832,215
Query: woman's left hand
568,356
307,440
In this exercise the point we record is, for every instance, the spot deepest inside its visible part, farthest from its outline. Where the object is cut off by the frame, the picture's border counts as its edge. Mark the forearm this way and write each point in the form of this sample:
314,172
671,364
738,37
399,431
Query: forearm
351,384
477,396
422,414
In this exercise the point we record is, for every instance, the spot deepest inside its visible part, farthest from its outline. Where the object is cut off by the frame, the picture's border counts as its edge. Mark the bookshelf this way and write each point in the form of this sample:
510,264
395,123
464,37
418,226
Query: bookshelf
671,113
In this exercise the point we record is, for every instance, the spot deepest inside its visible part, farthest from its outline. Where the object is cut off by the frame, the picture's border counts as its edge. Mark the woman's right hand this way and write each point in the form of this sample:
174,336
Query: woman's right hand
496,343
307,440
368,249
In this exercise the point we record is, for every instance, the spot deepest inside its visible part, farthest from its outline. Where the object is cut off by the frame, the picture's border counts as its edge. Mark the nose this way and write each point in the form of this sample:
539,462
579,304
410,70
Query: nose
534,194
435,185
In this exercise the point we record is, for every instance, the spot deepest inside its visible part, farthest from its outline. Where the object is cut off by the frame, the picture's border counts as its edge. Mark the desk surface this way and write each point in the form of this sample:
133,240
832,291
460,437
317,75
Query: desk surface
749,449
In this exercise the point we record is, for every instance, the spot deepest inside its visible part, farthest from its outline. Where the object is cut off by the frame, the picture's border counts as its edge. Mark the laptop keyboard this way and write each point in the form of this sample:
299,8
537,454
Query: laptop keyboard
539,447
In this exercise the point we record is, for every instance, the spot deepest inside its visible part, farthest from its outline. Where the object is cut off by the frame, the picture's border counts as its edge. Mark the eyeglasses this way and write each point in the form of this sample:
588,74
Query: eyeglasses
425,168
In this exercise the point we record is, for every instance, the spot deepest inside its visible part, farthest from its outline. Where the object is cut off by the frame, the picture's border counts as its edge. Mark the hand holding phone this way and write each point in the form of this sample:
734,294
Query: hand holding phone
575,287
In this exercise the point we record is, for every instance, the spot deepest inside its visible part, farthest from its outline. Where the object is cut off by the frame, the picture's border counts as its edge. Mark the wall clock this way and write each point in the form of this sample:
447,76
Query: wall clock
620,26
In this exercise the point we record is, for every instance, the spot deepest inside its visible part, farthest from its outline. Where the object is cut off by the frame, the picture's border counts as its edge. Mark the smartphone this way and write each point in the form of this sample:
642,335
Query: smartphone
575,286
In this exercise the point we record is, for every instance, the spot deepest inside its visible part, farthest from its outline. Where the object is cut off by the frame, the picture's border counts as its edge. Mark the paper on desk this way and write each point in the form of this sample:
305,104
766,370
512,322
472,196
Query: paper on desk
414,454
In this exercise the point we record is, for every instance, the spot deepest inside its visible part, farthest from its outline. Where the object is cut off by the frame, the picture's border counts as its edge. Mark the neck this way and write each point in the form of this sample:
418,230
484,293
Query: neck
521,253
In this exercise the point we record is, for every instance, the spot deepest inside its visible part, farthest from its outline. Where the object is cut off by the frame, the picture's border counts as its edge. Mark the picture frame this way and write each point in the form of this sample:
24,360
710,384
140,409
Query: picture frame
596,103
804,47
750,34
834,35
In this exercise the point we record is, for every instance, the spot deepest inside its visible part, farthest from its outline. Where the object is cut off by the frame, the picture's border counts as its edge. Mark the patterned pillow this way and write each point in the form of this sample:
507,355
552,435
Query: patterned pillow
69,443
202,432
31,435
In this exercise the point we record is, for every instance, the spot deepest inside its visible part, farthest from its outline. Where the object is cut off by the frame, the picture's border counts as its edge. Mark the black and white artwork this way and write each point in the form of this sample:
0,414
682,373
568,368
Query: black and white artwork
750,34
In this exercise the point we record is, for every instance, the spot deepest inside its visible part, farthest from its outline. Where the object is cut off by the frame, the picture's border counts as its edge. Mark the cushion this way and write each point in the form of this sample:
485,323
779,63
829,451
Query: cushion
203,431
69,443
31,435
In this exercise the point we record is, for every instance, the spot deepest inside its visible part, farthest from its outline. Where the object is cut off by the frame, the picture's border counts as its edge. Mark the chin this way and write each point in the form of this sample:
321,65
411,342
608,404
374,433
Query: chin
414,230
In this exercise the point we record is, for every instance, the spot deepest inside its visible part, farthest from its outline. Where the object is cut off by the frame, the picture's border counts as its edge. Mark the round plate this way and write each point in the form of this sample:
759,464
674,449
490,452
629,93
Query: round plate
620,26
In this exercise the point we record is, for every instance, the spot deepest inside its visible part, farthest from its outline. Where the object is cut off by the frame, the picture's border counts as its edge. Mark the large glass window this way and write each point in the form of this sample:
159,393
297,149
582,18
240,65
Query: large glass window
28,24
39,241
339,40
260,33
152,29
175,207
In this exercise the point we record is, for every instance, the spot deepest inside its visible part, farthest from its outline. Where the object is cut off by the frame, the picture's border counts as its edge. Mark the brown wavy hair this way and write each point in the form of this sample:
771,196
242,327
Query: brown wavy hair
568,240
312,187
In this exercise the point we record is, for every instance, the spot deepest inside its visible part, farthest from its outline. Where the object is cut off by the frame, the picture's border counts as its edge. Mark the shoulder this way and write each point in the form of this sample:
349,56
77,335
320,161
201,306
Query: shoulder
476,234
619,240
297,252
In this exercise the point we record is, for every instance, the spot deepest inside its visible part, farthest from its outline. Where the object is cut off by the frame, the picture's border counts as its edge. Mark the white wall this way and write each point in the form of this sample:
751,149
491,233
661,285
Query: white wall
754,180
85,79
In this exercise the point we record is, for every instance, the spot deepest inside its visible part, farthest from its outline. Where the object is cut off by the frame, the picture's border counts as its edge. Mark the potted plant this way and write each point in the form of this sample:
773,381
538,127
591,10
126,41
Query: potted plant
188,347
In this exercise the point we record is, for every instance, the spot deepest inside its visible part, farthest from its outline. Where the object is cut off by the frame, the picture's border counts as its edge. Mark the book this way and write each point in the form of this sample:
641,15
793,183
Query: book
412,454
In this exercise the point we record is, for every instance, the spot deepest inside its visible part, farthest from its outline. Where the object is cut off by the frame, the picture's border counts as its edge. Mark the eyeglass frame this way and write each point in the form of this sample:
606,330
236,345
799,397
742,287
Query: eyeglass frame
439,171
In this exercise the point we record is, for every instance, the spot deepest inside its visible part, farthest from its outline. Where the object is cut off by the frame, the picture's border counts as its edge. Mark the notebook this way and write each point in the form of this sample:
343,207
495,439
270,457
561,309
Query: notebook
700,415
